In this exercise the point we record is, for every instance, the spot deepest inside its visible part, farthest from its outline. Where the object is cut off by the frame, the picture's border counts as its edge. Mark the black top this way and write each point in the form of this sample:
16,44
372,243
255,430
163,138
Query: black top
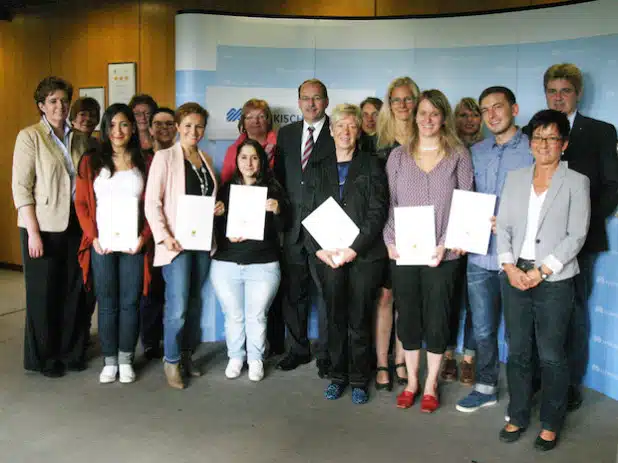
368,143
252,251
195,179
384,153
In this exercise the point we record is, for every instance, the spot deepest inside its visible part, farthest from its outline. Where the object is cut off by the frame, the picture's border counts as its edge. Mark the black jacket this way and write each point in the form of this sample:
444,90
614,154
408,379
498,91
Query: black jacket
592,152
365,200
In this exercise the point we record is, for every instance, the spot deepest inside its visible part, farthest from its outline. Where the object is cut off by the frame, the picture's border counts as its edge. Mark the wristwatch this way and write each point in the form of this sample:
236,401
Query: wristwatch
543,274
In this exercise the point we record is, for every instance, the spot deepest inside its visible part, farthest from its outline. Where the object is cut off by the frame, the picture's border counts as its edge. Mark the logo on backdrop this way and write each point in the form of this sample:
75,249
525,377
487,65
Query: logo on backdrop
233,115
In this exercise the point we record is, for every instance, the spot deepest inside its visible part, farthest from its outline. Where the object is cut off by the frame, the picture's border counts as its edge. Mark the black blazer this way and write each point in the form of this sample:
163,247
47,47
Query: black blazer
288,170
365,199
592,152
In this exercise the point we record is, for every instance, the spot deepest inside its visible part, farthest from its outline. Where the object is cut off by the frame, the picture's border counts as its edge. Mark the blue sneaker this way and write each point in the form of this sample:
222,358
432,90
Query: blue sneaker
360,395
333,391
475,400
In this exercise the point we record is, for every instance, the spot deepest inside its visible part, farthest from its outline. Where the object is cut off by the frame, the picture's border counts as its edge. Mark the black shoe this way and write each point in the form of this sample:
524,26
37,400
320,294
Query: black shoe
574,398
545,445
152,353
323,368
384,386
77,365
55,370
511,436
401,381
292,361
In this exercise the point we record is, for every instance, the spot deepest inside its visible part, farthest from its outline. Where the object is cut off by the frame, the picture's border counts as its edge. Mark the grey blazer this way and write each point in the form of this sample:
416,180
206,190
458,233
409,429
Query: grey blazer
563,223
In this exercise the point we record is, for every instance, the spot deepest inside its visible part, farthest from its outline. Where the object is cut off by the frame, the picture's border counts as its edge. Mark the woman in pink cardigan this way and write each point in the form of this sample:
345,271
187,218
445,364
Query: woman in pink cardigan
256,123
180,170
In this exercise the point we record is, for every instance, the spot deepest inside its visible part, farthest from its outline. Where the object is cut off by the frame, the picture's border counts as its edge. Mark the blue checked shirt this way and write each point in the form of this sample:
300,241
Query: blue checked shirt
492,163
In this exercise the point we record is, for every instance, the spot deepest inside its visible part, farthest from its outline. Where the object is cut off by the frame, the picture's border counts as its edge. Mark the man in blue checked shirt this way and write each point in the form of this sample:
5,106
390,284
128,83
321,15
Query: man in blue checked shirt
493,158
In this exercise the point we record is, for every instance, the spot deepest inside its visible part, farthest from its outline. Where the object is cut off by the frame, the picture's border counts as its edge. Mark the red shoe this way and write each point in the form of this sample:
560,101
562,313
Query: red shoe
429,403
406,399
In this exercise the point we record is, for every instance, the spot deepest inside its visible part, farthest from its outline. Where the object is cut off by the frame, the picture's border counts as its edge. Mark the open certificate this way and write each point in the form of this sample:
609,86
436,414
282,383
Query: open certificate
469,222
331,227
246,215
118,232
415,235
194,220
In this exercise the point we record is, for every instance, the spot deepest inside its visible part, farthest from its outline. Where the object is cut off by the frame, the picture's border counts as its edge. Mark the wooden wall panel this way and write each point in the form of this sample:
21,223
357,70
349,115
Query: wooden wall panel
24,61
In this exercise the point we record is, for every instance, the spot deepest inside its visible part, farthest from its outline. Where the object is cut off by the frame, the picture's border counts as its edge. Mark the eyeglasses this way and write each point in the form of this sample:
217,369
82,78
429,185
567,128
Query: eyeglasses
401,101
551,141
260,117
315,99
160,124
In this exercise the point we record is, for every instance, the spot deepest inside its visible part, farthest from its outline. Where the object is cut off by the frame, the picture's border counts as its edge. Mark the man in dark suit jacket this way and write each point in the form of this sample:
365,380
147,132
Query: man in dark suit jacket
300,144
591,152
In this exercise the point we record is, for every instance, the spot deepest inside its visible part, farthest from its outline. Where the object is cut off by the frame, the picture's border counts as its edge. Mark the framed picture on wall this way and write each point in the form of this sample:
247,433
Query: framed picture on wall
98,93
121,82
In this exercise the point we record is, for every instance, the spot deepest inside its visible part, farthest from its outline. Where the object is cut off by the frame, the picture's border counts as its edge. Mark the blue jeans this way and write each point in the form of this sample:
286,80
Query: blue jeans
118,282
544,313
185,282
245,293
486,309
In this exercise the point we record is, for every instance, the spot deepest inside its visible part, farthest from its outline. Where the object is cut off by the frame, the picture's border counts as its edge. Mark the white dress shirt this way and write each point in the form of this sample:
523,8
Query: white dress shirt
528,250
317,126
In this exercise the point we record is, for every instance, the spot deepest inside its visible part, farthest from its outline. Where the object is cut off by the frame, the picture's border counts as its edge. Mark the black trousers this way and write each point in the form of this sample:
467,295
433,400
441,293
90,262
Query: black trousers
424,296
151,311
275,327
55,315
299,272
350,293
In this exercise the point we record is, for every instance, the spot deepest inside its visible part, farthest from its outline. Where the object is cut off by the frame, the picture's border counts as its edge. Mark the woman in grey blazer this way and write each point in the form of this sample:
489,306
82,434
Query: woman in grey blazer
541,226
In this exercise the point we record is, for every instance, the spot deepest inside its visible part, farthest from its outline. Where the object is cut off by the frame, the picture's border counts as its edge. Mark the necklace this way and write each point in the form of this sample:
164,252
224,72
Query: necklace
434,148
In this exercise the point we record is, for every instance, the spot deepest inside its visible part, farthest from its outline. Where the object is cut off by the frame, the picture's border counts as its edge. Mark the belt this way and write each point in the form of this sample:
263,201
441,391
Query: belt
525,264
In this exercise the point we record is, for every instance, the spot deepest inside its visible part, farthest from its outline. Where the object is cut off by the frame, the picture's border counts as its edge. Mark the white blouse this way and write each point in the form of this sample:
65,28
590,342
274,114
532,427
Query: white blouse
109,189
528,250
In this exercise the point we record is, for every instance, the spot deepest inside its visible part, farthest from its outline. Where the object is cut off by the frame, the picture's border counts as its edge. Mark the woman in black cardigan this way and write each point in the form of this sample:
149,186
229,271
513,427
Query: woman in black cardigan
350,277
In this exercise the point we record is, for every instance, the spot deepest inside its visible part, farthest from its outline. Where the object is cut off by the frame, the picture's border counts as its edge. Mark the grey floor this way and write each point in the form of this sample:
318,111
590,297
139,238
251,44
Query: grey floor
282,419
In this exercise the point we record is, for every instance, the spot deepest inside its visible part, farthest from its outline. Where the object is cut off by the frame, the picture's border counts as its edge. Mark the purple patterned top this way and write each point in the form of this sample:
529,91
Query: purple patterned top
411,186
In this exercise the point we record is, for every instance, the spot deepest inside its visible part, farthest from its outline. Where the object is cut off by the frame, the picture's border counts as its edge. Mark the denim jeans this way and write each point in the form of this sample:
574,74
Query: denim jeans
543,312
118,283
486,309
245,293
185,283
579,329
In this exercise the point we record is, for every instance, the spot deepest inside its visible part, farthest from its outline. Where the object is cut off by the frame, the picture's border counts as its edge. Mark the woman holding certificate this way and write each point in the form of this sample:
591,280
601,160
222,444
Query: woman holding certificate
350,276
245,272
111,177
541,227
179,208
421,179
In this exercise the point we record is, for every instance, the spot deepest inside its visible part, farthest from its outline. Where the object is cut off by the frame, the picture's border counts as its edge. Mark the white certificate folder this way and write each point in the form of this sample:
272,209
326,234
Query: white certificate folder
330,226
119,232
469,222
415,235
246,216
194,221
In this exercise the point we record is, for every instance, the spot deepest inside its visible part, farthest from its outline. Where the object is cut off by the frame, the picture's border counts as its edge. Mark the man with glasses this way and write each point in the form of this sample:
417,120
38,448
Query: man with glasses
592,152
299,144
162,129
493,158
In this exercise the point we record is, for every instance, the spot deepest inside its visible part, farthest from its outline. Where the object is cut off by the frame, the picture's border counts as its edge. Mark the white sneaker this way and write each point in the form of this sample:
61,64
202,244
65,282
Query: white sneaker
127,374
108,374
256,370
234,367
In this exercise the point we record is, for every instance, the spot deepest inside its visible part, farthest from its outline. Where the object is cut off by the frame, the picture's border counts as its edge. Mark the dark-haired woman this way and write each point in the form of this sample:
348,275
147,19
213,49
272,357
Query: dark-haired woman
245,273
108,175
44,164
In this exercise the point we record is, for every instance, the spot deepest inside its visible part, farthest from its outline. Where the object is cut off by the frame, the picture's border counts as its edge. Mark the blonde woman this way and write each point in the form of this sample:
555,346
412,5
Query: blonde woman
468,121
425,173
394,129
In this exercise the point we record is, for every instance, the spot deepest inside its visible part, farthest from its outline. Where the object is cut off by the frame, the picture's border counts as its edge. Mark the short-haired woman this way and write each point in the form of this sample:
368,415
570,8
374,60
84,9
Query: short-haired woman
541,227
85,115
370,108
44,164
143,106
180,170
245,273
115,171
350,277
425,173
395,126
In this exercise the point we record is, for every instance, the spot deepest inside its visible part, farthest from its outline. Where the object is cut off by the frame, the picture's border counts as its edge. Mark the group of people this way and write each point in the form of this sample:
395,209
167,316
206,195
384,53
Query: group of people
556,181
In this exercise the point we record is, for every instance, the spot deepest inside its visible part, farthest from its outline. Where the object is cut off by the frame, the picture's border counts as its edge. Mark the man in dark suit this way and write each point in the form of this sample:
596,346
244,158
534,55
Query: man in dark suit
300,144
591,152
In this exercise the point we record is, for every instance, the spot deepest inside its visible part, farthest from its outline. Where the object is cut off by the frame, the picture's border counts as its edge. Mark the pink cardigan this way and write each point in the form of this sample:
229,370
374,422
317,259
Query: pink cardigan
166,183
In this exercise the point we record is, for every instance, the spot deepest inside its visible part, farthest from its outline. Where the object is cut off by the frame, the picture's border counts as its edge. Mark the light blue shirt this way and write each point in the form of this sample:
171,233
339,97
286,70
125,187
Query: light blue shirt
64,146
492,162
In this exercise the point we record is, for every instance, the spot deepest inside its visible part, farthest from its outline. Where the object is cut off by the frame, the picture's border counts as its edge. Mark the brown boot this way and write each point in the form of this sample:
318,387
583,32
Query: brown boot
466,373
172,373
